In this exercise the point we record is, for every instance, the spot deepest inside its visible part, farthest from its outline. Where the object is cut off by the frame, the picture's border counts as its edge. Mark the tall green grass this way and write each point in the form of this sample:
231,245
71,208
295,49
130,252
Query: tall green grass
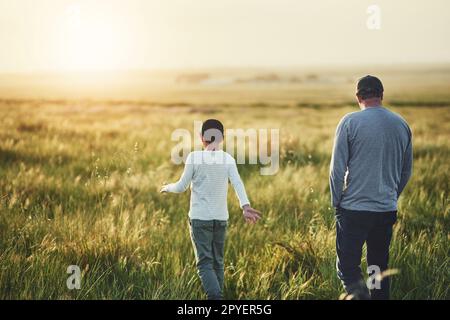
80,186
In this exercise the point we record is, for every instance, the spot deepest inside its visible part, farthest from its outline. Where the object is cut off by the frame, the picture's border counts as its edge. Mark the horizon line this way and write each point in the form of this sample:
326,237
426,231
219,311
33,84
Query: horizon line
294,67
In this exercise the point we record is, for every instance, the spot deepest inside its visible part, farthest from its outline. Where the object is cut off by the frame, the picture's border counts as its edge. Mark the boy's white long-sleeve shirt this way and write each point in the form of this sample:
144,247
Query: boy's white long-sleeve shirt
208,172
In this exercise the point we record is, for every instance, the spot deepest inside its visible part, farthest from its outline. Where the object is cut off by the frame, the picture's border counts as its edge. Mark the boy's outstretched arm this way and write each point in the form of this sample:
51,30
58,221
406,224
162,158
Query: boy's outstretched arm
185,180
250,215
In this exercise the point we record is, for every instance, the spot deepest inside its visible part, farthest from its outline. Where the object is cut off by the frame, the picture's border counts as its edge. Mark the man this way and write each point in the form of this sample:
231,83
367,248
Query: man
370,166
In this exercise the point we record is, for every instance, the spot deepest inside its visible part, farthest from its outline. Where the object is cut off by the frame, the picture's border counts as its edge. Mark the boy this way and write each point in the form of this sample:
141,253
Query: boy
208,173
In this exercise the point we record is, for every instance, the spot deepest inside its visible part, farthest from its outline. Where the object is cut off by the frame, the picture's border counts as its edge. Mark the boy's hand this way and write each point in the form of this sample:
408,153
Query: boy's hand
251,215
163,189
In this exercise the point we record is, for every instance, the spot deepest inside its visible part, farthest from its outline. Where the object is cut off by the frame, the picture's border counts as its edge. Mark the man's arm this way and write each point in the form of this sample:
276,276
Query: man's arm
407,167
339,162
185,180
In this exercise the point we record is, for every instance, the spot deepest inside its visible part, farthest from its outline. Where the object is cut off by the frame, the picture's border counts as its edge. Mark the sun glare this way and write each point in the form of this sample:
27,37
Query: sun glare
90,41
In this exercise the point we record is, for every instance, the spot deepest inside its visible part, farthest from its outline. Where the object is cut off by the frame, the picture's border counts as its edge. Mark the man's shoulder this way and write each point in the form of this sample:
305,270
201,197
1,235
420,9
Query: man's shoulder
346,119
399,121
397,116
351,115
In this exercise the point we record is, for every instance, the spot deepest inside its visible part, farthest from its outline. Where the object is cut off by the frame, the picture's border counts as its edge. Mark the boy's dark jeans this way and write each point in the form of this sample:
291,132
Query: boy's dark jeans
208,239
353,229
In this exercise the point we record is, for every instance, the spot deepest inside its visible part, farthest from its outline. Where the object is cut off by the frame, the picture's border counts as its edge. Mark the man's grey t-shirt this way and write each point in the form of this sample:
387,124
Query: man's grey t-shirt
372,160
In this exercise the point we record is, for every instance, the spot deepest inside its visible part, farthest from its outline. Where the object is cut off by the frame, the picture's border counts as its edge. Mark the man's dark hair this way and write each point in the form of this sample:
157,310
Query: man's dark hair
369,87
212,129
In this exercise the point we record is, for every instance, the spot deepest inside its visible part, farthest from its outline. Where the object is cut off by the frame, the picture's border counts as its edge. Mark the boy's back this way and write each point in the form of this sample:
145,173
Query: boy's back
208,173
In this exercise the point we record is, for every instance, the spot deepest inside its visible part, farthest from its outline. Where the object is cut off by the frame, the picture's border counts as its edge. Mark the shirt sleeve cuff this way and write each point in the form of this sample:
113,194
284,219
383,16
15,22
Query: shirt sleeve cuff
244,204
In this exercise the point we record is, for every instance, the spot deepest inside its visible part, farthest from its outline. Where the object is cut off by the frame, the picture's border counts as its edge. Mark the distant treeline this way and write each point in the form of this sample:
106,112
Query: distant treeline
145,103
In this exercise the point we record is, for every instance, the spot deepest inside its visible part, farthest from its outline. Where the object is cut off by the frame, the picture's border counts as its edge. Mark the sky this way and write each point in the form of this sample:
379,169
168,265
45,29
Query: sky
60,35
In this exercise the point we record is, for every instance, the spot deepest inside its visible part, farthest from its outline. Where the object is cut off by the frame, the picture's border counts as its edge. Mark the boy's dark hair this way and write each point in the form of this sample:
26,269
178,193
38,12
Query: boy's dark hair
369,87
212,129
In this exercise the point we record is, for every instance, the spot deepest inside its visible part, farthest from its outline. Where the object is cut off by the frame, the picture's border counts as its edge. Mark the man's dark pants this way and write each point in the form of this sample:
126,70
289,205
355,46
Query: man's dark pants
353,229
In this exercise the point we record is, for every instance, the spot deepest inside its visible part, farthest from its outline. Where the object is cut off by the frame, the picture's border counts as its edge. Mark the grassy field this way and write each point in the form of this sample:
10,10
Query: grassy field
79,185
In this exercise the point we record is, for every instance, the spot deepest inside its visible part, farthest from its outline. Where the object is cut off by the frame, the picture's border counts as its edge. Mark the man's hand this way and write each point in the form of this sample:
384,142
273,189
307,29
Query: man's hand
251,215
163,189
